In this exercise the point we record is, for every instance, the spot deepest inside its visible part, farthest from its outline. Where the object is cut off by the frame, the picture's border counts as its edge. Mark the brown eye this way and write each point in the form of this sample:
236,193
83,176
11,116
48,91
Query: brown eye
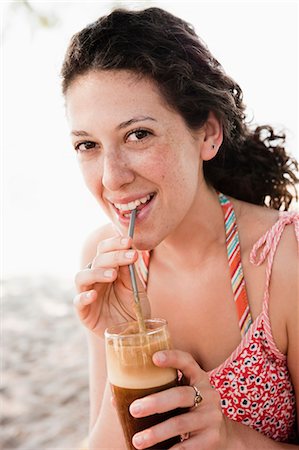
137,135
85,146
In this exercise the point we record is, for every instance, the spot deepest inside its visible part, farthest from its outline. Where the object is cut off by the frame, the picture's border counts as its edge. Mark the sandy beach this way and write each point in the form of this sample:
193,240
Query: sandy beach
44,388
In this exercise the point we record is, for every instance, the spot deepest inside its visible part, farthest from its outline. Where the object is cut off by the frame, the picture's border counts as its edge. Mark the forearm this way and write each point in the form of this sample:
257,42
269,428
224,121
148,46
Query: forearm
243,437
106,432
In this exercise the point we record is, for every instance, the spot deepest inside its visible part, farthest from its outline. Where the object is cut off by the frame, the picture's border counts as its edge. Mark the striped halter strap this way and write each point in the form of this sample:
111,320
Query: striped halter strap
234,260
235,265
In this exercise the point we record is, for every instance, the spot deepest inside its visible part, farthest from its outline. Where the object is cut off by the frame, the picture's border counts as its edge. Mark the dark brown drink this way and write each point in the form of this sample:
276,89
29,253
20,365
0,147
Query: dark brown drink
133,375
124,397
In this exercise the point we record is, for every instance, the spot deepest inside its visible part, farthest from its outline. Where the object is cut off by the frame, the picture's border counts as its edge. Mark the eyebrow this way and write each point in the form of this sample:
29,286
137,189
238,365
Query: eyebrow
79,133
119,127
134,120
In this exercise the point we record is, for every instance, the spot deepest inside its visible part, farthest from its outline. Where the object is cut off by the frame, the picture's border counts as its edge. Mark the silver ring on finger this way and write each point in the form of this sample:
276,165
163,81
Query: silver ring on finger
197,397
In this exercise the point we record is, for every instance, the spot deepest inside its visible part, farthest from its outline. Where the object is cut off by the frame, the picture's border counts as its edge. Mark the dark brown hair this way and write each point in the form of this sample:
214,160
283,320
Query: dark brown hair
251,165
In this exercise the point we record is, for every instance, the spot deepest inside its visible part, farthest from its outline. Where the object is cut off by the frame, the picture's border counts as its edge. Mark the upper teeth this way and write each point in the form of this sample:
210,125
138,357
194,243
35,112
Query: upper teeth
132,205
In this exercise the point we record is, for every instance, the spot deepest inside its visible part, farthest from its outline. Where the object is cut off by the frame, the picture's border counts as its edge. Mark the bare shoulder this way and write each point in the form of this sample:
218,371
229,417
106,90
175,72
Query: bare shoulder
90,245
253,221
284,279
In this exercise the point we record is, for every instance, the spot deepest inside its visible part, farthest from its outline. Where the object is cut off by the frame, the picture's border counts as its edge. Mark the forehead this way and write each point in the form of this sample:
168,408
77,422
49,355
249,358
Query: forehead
113,92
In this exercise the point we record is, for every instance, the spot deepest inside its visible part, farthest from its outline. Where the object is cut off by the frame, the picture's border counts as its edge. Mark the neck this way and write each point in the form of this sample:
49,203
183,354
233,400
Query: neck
201,231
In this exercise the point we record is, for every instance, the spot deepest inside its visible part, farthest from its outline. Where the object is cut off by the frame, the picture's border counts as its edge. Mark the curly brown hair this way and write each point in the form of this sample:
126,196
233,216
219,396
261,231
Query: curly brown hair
251,165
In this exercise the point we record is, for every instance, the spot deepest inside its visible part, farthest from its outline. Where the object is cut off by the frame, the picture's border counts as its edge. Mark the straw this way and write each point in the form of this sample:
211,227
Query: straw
138,311
132,223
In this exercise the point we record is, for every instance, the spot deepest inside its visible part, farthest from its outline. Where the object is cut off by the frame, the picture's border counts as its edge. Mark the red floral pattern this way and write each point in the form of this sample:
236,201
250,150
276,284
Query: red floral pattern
254,382
255,386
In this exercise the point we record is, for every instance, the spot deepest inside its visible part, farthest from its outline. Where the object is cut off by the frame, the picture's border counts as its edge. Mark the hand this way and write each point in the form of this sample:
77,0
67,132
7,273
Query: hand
206,424
105,295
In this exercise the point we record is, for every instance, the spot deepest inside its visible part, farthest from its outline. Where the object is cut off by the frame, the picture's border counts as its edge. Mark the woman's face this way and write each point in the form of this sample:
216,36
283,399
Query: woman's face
134,151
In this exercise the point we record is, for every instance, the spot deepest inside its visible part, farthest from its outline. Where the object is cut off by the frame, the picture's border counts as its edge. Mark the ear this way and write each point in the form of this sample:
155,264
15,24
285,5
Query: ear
212,137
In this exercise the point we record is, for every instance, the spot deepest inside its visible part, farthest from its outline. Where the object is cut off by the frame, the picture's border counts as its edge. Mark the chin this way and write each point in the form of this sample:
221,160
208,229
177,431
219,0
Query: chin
143,245
146,243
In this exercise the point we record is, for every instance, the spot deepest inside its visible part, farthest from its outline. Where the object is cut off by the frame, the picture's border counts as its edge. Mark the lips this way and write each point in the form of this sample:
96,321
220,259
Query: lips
124,209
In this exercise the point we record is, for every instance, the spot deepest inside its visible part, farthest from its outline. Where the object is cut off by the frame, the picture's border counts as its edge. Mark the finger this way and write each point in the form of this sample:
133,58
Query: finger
84,298
182,361
174,426
114,243
118,244
88,277
115,258
196,421
178,397
201,441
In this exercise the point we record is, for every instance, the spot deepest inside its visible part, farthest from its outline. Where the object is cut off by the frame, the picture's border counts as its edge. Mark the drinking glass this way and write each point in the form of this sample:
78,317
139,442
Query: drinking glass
132,373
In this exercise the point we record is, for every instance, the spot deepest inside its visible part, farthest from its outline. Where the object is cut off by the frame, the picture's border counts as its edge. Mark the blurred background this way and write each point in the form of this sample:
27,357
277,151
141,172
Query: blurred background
46,210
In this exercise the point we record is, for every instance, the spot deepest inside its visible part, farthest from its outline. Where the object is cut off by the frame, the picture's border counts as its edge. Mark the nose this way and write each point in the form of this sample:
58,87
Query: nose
116,171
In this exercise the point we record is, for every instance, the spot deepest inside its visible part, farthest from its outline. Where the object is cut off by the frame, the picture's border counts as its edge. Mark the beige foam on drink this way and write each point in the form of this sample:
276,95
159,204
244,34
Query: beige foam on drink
132,367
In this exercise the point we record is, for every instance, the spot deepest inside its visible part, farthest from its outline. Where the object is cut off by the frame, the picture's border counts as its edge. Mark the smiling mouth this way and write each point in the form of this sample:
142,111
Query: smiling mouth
125,209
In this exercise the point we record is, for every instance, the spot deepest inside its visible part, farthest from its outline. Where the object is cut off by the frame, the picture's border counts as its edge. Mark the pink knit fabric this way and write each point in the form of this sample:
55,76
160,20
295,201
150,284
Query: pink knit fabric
254,382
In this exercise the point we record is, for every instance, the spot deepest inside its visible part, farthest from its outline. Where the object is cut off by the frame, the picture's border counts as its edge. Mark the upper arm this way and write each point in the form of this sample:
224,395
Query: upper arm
103,424
293,326
96,348
101,410
285,290
293,355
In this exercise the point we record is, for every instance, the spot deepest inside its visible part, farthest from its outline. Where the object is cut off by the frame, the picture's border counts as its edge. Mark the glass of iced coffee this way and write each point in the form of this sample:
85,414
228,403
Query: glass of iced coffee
133,375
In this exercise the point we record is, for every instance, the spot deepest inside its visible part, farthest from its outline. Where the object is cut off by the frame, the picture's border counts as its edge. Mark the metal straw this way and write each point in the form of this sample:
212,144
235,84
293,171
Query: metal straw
141,324
131,266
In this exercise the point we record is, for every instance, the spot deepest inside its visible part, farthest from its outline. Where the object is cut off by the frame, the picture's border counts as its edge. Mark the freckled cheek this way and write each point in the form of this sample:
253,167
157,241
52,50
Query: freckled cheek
156,172
153,168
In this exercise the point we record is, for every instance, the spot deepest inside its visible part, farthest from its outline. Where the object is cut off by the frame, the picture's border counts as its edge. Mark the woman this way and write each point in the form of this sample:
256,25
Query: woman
158,125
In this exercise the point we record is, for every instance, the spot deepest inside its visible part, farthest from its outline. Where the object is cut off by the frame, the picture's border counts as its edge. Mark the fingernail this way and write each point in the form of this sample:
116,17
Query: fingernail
160,357
136,407
130,254
109,273
139,439
124,241
88,294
